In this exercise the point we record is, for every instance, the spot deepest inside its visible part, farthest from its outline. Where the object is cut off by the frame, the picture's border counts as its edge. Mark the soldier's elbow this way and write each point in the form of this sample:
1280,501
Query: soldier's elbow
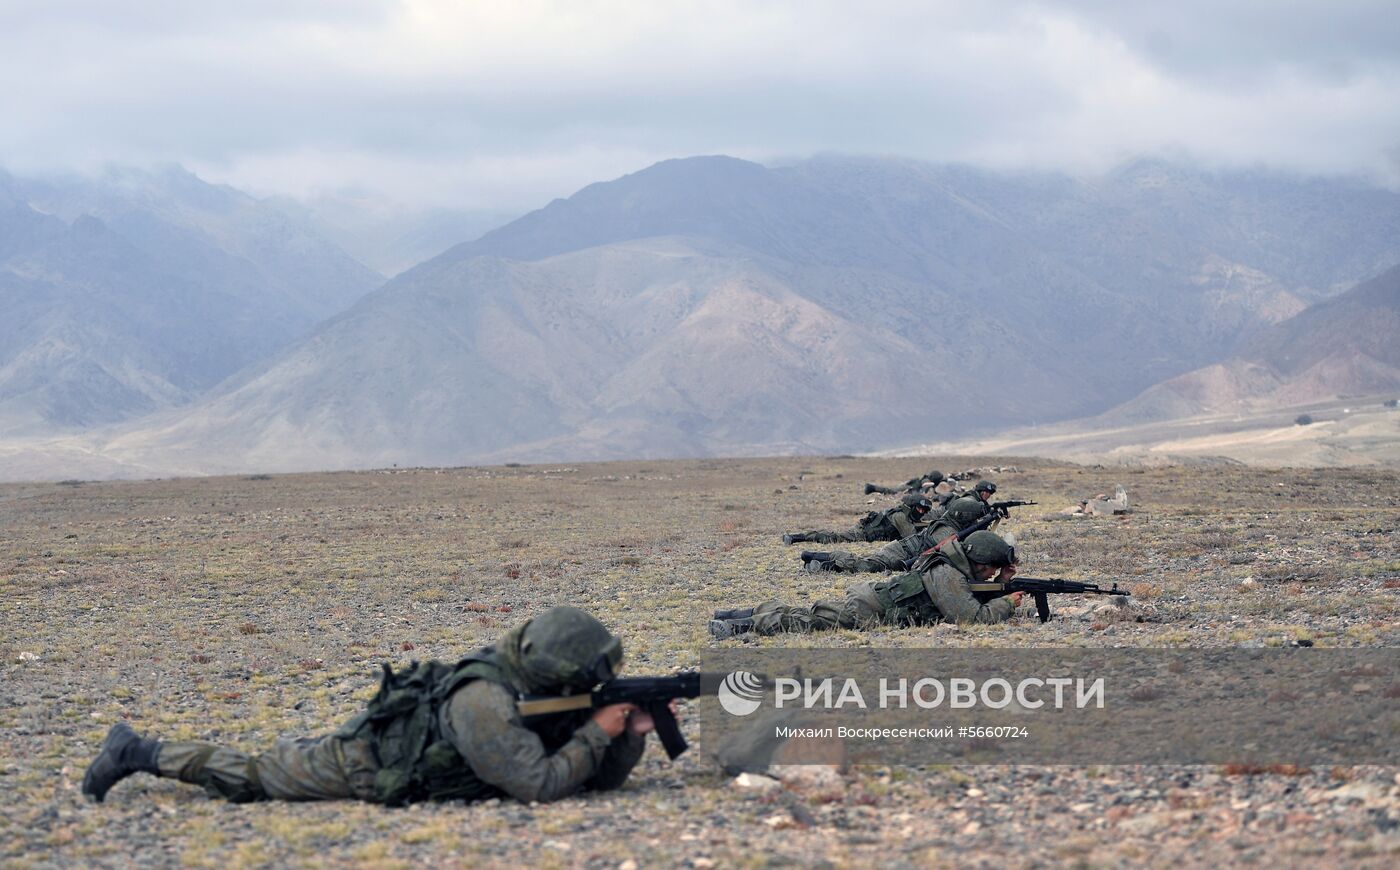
534,790
535,795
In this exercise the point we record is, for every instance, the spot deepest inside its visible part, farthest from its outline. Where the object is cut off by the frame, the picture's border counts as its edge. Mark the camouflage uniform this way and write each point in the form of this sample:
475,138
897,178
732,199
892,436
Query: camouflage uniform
956,515
938,593
959,514
887,525
913,484
894,556
466,742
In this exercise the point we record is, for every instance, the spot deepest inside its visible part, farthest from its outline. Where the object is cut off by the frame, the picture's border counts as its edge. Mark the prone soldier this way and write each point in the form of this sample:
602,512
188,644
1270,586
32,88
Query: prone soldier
938,591
890,524
957,515
440,732
913,484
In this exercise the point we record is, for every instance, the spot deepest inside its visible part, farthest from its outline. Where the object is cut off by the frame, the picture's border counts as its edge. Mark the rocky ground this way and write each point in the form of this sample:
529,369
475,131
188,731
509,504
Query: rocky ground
242,609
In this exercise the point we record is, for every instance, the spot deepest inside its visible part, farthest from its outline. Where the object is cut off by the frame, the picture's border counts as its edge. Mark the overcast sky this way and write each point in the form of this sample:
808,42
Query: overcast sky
505,105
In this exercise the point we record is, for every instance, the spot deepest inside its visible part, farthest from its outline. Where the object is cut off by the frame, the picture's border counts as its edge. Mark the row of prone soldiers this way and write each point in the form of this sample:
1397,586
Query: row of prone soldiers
939,546
444,731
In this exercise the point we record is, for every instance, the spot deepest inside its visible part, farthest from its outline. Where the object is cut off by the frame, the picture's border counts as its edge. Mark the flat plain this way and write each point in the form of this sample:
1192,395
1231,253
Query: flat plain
241,609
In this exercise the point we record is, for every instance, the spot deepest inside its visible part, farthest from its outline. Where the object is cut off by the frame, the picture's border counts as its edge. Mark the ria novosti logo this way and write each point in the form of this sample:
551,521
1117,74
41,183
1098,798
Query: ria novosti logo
741,693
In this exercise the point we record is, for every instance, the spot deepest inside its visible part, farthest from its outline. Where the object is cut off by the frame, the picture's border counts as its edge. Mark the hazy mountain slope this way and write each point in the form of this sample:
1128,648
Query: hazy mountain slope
652,342
140,293
213,235
1347,345
716,306
386,236
1148,228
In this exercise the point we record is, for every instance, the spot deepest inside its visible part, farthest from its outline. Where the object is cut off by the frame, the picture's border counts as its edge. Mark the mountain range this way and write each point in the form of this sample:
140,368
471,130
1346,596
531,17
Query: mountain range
137,292
716,306
1345,346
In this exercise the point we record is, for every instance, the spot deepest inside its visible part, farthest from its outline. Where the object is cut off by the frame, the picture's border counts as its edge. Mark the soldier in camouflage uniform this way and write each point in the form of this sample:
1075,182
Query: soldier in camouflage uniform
967,509
913,484
887,525
938,592
957,515
435,732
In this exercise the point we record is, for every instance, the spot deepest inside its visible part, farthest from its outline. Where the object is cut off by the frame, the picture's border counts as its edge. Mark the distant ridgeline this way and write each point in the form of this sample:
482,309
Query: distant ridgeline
700,306
1348,345
139,292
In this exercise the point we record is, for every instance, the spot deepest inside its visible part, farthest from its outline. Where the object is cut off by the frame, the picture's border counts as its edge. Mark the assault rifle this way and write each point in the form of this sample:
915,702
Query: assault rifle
652,694
1040,590
1000,510
997,514
1003,507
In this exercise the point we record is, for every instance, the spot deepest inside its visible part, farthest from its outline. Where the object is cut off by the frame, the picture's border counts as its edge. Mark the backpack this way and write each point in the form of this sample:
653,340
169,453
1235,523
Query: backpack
416,761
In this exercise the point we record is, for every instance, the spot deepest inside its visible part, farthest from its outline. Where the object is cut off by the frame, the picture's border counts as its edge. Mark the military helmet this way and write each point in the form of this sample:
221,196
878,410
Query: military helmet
987,548
965,509
934,477
568,648
919,502
985,486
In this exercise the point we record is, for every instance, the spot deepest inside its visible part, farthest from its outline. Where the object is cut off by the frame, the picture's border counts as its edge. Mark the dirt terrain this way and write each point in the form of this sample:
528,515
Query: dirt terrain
1344,433
240,609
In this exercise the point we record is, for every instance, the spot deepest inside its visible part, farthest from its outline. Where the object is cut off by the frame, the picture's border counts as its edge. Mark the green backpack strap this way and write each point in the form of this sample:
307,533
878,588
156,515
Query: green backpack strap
401,721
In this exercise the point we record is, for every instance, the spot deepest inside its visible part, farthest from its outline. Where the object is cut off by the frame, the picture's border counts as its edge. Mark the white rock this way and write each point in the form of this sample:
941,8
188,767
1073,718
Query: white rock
1365,792
756,782
808,777
778,821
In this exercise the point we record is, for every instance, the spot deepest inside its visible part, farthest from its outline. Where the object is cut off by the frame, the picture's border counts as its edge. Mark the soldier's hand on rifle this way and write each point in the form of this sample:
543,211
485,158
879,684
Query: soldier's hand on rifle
613,718
641,722
1016,598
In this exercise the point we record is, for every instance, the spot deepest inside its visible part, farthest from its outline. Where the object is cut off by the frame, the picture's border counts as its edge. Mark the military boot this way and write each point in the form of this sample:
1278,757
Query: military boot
124,752
871,488
794,538
725,628
739,613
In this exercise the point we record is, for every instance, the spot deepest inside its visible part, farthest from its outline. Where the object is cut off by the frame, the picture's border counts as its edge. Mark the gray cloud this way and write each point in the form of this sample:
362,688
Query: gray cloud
1253,39
508,105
